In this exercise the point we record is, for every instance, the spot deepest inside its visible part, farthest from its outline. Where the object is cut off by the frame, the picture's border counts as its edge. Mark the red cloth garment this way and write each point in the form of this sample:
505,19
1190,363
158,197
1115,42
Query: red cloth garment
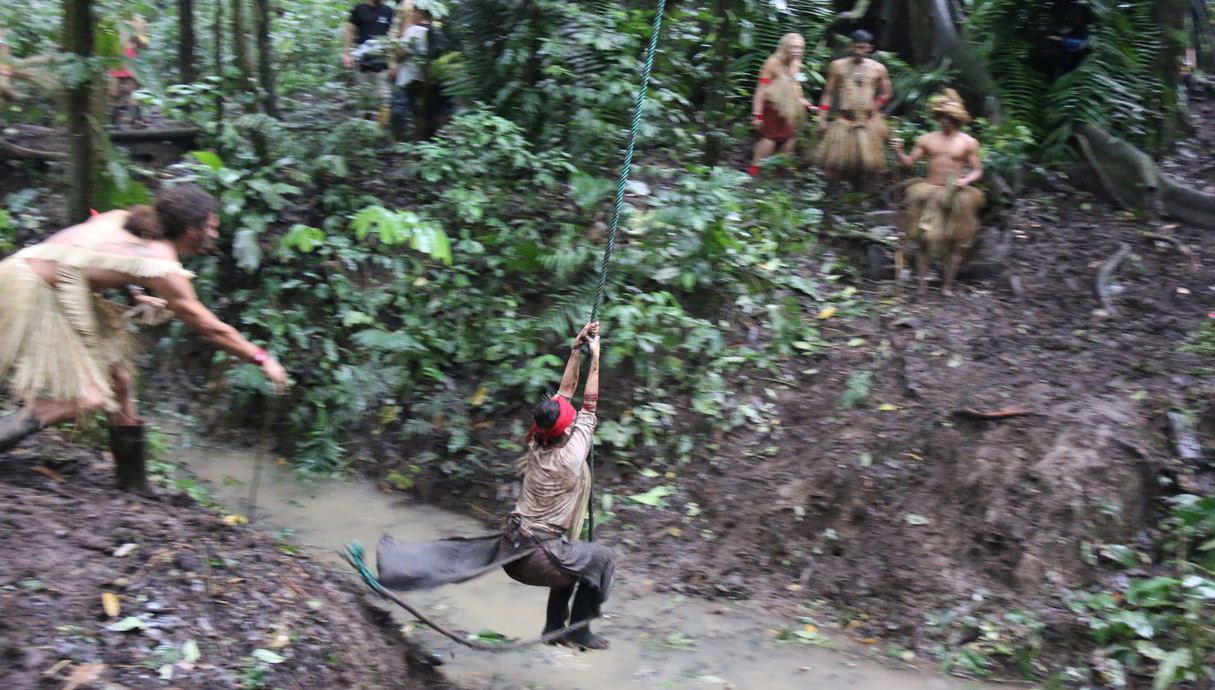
775,126
564,419
123,72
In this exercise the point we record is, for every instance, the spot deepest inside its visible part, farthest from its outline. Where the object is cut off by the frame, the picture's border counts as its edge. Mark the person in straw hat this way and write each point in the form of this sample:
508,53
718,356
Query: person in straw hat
853,147
779,106
941,211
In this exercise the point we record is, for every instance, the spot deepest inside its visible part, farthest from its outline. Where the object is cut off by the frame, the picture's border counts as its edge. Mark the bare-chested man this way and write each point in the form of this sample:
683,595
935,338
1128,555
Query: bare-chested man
65,350
941,211
853,146
779,106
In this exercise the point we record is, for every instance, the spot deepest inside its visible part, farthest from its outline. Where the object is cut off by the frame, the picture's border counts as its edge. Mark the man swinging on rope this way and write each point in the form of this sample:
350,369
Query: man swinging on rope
540,544
779,106
941,212
65,349
853,145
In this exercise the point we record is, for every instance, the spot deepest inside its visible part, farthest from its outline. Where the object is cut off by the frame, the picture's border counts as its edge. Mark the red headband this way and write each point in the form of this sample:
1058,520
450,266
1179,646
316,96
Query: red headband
564,419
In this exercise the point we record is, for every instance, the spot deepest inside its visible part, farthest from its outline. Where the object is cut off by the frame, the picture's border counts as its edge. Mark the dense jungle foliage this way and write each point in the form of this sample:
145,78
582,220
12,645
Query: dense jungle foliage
421,291
515,191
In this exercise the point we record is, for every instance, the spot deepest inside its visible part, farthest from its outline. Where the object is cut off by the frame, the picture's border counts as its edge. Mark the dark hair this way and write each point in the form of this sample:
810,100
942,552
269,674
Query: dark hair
546,413
178,208
862,36
425,14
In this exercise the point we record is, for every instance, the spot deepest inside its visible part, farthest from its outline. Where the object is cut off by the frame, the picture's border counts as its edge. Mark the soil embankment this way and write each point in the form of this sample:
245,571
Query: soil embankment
1000,438
168,594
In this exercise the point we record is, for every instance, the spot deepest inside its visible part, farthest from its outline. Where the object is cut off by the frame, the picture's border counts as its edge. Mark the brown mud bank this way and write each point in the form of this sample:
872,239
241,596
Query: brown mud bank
995,443
1000,439
110,590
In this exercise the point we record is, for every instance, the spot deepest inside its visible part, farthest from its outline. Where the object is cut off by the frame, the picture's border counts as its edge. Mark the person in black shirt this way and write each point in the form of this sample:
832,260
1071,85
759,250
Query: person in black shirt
365,45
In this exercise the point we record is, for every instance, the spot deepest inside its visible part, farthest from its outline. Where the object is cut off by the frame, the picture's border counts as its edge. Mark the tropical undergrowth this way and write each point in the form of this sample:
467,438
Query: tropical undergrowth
1118,86
423,326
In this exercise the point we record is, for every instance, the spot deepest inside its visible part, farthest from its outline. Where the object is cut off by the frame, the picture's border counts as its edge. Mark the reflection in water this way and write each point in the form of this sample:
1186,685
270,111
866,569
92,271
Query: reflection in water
658,640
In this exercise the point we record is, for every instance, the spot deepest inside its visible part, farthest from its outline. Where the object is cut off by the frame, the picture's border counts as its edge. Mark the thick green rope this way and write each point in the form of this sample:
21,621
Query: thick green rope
611,243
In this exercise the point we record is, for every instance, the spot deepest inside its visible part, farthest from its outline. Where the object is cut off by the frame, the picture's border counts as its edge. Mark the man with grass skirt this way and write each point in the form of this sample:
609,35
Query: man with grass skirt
539,545
65,350
941,211
853,147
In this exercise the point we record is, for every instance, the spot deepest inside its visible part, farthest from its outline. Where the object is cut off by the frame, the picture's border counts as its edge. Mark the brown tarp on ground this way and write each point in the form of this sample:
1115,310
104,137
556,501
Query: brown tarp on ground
408,565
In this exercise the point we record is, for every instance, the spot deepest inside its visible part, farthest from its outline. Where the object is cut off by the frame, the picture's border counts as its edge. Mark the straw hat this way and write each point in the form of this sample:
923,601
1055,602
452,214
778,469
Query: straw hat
949,104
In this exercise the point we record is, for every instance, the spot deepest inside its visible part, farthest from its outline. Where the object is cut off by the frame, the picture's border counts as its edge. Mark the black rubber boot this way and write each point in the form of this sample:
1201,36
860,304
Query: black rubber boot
558,609
586,607
130,466
16,427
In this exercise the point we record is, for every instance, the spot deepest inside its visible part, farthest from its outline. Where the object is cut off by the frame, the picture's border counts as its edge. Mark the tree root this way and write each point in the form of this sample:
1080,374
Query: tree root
1184,250
1133,181
1104,275
18,151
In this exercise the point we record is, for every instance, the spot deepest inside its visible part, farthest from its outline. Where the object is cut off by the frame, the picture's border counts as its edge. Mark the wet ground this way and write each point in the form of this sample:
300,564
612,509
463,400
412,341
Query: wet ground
659,639
1001,437
100,589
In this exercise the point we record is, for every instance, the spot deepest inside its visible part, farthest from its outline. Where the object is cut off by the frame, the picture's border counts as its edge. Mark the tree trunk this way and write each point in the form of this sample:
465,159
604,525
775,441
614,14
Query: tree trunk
717,111
78,40
1203,35
1171,17
240,54
219,63
265,57
187,72
976,83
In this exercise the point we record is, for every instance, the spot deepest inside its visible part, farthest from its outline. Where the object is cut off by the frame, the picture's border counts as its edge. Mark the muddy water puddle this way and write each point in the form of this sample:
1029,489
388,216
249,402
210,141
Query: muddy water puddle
659,640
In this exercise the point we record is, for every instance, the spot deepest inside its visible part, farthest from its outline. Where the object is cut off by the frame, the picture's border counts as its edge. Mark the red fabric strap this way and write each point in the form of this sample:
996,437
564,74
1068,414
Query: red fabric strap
882,101
564,419
765,80
825,108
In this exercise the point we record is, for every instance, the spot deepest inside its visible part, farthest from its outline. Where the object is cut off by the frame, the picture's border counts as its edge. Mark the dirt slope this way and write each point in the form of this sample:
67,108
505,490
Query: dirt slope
185,582
908,505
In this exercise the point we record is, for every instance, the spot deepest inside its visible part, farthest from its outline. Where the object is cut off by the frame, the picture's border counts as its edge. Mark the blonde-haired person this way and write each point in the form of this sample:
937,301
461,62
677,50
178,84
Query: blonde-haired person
779,106
133,36
65,350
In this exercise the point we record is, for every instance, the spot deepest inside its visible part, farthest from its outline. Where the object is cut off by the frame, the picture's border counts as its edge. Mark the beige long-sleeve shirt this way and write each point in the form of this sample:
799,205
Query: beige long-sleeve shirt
556,482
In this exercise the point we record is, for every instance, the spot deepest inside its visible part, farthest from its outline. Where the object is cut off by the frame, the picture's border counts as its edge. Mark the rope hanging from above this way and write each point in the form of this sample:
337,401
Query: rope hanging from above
625,169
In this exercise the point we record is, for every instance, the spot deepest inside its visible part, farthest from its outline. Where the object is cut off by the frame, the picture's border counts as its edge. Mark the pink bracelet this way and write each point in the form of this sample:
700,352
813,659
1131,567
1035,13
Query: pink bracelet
260,357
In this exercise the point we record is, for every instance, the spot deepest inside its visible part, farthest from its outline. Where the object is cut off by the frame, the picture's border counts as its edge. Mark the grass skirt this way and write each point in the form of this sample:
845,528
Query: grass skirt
59,342
853,149
942,219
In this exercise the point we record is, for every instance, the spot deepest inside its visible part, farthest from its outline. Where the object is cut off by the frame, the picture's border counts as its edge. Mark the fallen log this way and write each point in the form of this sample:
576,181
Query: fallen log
119,136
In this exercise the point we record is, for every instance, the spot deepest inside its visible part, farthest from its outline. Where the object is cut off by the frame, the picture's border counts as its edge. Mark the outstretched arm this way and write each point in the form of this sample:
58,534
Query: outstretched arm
590,396
183,302
569,380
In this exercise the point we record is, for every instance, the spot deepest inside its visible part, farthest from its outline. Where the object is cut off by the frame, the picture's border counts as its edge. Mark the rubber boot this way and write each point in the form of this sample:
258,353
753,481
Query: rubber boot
558,610
130,466
15,427
586,607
